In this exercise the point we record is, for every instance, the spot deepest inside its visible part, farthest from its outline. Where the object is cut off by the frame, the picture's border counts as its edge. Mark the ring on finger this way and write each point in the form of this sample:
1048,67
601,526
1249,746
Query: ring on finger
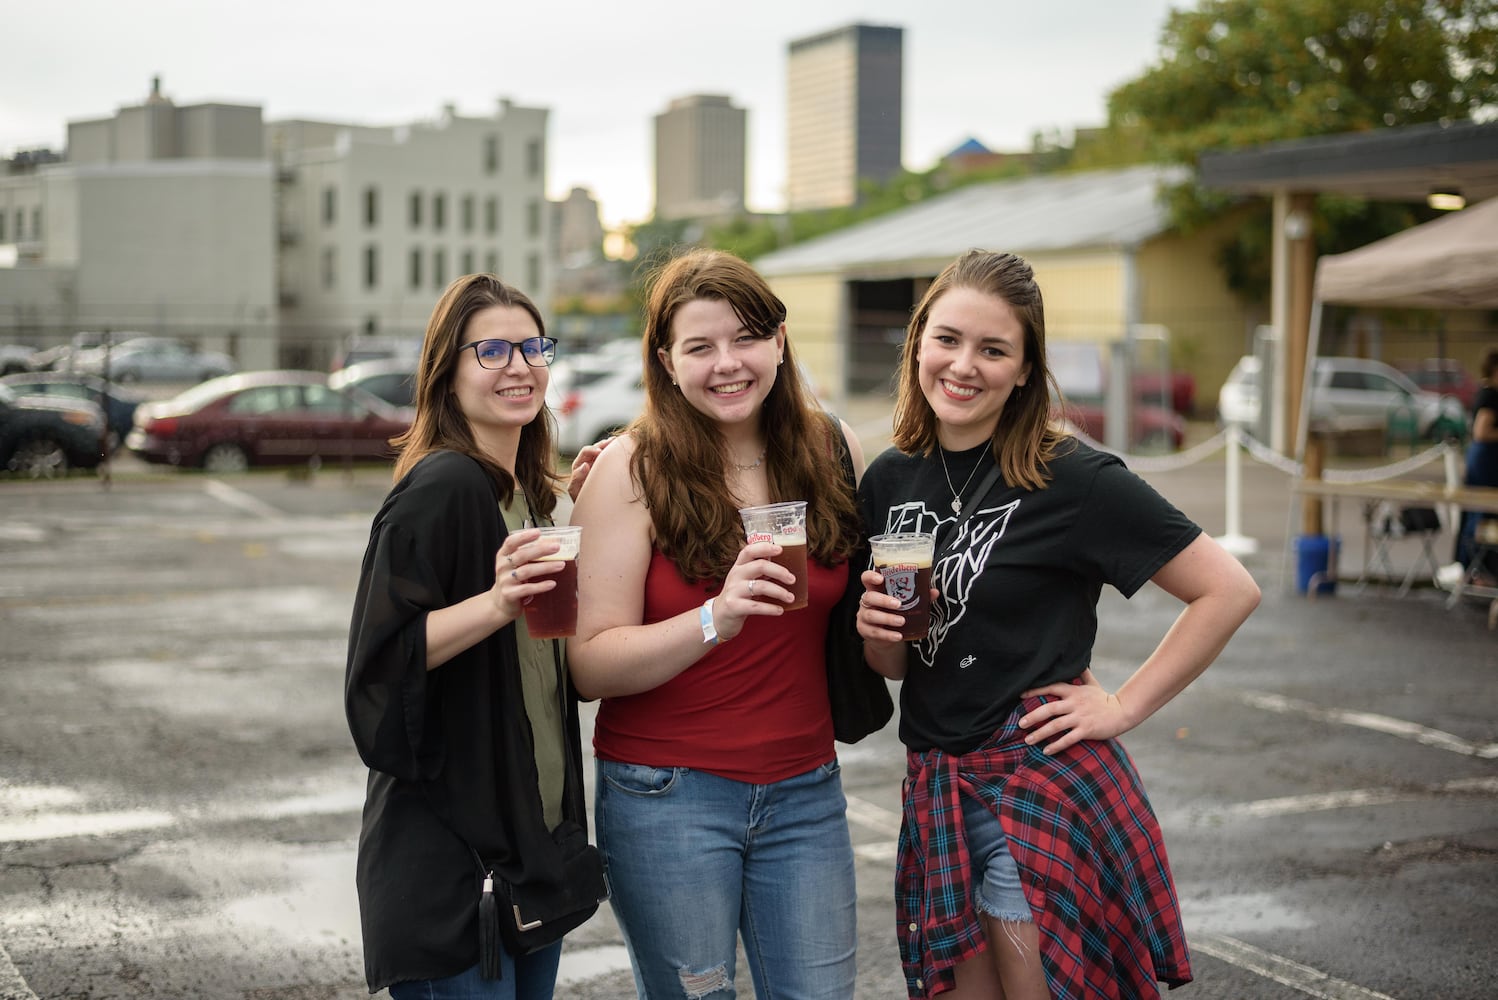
751,587
515,575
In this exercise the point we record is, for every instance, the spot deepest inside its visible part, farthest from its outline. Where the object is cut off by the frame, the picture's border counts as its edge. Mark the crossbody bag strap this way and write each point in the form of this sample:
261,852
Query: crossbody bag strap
952,533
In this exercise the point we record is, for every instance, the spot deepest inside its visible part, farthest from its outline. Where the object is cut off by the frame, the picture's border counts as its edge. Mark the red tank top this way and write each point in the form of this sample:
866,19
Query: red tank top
753,709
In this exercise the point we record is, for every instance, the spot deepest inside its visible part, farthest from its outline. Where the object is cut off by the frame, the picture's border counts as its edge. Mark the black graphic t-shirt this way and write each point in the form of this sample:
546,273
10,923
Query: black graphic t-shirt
1019,587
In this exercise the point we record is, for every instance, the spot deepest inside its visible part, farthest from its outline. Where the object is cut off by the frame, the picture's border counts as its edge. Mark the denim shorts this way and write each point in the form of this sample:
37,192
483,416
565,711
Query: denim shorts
996,884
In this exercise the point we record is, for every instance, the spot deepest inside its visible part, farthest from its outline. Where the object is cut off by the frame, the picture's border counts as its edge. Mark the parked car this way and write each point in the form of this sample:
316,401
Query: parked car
15,358
1156,429
117,402
592,396
41,437
362,349
60,357
154,359
265,418
1445,377
391,379
1346,389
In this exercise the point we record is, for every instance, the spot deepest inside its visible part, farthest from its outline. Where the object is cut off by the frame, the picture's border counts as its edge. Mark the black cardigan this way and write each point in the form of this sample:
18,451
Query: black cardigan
454,741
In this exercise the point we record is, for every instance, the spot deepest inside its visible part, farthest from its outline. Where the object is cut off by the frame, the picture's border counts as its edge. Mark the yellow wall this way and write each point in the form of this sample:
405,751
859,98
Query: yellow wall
815,323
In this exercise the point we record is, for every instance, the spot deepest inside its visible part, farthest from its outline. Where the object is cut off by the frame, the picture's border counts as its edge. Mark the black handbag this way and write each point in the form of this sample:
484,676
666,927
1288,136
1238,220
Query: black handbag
859,697
529,915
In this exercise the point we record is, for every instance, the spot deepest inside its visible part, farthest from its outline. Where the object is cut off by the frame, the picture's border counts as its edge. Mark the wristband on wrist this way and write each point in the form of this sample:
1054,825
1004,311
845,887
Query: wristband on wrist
705,617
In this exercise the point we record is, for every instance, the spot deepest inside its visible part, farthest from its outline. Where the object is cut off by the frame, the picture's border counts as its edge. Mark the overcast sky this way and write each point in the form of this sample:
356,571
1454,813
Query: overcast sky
997,70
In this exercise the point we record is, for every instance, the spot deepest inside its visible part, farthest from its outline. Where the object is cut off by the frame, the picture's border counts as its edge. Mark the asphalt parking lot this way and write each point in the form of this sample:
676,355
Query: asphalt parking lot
179,799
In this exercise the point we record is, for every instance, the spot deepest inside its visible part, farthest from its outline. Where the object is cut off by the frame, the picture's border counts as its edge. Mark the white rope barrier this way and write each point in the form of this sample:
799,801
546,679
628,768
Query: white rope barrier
1157,463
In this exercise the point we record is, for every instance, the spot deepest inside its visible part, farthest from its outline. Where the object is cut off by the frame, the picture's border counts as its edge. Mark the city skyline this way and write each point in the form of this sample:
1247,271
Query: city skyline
996,73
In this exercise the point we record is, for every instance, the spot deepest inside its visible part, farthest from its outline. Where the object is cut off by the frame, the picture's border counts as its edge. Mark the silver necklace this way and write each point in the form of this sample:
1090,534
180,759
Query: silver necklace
755,464
956,493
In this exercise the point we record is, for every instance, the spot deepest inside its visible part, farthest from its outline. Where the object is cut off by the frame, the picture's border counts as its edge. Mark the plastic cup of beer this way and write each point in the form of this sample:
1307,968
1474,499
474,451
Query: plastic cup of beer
904,560
553,614
785,525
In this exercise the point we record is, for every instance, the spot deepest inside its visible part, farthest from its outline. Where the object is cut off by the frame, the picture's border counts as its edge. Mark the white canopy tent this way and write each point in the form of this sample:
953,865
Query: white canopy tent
1447,263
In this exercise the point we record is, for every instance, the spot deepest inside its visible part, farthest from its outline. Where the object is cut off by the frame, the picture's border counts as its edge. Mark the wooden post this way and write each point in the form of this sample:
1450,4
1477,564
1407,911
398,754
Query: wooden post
1311,522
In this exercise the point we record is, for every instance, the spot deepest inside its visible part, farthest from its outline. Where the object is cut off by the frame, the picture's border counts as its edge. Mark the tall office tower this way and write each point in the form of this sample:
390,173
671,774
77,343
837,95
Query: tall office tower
843,116
699,158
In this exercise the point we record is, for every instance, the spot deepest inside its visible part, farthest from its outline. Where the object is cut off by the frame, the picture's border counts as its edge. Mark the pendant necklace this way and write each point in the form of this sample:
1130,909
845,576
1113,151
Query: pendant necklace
754,464
956,493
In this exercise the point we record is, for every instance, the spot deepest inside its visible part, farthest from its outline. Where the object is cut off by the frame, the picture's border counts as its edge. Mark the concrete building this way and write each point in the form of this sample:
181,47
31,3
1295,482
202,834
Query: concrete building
373,222
579,228
276,242
160,220
844,91
699,158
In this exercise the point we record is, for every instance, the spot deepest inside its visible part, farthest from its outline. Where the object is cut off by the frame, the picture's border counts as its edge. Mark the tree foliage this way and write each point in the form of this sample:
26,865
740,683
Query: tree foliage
1238,73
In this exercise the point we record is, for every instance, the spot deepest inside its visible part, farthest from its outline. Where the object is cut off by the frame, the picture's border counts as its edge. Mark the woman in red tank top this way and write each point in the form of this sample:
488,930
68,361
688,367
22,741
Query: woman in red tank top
720,809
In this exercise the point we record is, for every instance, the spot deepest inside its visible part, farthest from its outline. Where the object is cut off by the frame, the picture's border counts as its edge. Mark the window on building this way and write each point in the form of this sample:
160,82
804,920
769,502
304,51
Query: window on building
533,273
467,261
439,268
533,218
371,266
20,225
415,209
467,211
491,263
36,223
329,267
439,211
414,270
491,215
329,205
2,227
371,207
533,158
491,154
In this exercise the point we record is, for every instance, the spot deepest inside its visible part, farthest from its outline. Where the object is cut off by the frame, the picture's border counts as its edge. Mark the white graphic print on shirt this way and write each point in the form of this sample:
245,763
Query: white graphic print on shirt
959,565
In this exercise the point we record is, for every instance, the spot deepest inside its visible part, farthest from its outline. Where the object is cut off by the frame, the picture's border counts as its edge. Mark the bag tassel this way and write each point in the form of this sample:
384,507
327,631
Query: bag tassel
489,946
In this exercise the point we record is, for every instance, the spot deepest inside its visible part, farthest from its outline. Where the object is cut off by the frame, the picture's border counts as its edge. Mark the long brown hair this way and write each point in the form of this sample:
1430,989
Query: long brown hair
680,458
440,423
1024,439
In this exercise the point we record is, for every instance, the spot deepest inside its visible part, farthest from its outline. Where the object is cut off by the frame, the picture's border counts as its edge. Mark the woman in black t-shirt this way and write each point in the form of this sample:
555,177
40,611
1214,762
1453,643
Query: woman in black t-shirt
1012,761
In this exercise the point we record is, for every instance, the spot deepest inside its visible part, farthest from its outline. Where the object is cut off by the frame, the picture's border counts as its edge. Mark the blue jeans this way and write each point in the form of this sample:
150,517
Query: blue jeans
996,884
528,977
696,860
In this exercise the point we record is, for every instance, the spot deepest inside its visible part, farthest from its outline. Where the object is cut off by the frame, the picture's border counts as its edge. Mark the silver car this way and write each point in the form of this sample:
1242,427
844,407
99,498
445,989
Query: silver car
1344,390
154,359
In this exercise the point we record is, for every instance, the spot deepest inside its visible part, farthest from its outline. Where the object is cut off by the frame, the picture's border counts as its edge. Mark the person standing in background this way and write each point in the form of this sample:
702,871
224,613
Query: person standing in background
1482,454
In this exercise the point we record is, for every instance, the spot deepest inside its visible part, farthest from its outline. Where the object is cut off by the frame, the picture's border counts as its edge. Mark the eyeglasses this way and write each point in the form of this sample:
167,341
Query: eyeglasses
538,352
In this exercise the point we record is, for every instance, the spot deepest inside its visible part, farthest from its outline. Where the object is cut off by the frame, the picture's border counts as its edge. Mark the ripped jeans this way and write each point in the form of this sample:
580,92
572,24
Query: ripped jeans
696,860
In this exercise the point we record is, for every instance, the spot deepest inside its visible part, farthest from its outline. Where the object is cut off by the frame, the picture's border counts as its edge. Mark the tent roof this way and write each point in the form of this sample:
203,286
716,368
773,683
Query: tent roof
1447,263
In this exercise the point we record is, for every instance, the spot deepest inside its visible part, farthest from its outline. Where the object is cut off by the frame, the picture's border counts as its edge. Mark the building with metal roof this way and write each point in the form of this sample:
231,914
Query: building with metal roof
1112,269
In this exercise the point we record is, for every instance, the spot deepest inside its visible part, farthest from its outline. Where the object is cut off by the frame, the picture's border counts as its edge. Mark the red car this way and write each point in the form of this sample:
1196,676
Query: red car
1156,429
265,418
1444,377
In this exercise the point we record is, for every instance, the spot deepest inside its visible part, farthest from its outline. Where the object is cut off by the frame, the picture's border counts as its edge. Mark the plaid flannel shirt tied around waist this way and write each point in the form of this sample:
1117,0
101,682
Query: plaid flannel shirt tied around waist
1091,859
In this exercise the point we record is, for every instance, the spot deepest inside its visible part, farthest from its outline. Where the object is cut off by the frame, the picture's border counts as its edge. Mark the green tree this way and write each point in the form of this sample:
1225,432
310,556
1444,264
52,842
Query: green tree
1236,73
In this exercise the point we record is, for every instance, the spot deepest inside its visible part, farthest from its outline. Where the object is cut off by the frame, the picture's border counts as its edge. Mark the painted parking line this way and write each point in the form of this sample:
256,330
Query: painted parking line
1354,798
1368,720
1286,972
240,500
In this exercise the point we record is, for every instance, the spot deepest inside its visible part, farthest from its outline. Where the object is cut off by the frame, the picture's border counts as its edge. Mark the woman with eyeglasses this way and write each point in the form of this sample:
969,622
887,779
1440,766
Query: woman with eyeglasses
718,802
467,724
